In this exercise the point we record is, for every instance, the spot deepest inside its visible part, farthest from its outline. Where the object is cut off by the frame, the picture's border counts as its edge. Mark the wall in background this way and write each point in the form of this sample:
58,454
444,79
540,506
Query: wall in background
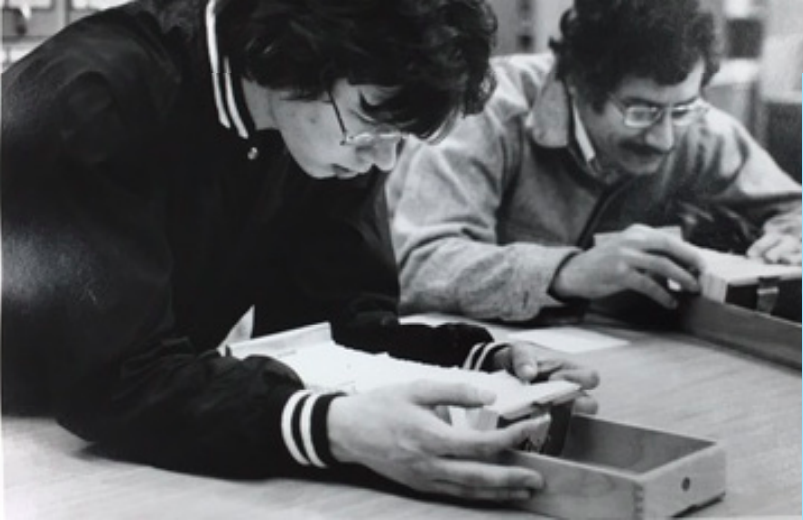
761,51
741,88
527,25
784,17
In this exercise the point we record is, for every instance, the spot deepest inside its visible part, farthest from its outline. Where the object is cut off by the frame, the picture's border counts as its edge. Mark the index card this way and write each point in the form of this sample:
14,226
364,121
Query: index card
572,340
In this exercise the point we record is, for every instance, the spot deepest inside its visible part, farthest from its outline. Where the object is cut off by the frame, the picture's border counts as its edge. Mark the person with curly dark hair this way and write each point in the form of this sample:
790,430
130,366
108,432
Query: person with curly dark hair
168,165
607,135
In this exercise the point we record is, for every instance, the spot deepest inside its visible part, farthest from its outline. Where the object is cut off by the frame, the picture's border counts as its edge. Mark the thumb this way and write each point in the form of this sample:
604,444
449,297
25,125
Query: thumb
434,393
525,364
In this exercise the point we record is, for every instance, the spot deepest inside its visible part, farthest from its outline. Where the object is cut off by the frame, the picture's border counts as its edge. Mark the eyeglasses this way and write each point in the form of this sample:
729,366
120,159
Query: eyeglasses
644,116
364,138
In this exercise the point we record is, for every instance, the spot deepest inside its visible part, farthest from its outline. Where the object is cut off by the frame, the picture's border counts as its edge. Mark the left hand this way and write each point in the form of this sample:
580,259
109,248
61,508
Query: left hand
777,248
520,359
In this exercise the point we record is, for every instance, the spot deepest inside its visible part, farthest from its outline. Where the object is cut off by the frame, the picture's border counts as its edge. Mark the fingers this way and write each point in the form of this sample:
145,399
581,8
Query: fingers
646,285
652,240
521,359
587,379
641,255
761,245
585,404
483,481
480,493
524,363
793,259
686,254
668,269
776,248
485,444
432,393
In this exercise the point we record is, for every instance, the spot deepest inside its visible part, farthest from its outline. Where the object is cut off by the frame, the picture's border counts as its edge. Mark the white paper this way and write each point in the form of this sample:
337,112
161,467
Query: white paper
325,366
572,340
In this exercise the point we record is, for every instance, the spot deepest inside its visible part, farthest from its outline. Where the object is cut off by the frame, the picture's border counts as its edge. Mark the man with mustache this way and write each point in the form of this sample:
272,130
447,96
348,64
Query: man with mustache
609,133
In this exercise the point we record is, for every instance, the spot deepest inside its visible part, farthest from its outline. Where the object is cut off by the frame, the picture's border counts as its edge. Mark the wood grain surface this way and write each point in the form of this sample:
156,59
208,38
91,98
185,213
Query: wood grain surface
659,380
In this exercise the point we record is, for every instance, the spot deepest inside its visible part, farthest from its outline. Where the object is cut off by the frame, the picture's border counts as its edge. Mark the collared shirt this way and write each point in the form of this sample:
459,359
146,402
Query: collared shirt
555,122
581,137
582,141
484,219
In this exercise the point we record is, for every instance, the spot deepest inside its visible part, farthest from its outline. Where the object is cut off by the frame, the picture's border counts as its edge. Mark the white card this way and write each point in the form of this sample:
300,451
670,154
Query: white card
572,340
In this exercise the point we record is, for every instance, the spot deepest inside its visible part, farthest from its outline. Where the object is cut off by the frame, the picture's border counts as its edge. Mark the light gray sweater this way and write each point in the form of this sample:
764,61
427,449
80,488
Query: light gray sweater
483,219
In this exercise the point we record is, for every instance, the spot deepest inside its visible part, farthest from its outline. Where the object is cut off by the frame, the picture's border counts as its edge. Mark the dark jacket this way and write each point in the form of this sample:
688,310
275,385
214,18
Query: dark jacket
137,229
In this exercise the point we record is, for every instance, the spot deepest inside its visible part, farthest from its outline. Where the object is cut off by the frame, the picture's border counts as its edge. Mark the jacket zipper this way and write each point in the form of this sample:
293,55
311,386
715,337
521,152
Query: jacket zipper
602,204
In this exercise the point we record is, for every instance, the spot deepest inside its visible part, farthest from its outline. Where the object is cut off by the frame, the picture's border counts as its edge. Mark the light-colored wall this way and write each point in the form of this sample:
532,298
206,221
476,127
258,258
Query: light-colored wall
781,17
784,17
546,21
540,23
507,15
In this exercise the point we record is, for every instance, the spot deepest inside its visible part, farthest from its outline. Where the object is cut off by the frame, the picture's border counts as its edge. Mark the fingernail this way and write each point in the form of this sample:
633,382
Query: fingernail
486,396
528,371
534,482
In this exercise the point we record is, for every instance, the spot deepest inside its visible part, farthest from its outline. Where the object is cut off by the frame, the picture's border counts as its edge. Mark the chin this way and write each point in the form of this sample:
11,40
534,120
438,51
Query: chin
319,173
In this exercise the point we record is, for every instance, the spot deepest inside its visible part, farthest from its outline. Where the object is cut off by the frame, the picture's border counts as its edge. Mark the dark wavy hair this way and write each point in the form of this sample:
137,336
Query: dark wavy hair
435,52
603,41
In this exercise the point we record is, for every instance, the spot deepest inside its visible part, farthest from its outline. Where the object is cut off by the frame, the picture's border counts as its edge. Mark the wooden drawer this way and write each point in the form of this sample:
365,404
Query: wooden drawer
615,470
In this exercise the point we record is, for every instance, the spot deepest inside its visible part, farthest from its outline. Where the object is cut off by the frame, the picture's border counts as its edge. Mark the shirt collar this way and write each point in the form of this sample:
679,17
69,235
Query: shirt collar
581,137
554,122
549,121
229,101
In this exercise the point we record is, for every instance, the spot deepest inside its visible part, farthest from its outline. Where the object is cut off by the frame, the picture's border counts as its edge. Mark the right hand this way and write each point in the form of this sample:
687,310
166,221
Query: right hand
396,432
631,261
777,248
522,359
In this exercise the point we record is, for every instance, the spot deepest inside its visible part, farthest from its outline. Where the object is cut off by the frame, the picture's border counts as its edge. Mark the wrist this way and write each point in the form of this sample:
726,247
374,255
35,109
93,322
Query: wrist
563,286
339,423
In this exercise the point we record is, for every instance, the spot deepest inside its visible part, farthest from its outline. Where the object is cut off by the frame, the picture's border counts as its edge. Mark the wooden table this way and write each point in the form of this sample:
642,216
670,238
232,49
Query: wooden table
662,380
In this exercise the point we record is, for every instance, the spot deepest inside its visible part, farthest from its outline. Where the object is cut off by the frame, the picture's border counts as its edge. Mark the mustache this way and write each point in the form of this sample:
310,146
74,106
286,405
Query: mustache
646,150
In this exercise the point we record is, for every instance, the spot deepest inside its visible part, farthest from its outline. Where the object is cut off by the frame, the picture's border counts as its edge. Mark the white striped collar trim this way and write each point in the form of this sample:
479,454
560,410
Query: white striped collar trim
581,135
221,81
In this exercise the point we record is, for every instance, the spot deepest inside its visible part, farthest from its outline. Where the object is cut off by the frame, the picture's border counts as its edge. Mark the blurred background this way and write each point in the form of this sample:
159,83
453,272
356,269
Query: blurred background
759,83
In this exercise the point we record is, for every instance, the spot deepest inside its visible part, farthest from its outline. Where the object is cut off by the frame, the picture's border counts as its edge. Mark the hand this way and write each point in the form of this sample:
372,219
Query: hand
777,248
395,432
631,261
519,358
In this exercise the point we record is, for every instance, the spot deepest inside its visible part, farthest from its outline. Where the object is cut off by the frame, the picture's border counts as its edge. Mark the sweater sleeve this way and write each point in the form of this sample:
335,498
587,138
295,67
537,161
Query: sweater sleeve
445,228
88,325
731,170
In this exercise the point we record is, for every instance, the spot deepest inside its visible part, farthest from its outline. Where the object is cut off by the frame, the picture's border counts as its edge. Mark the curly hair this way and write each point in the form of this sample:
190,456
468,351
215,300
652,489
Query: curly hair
603,41
433,53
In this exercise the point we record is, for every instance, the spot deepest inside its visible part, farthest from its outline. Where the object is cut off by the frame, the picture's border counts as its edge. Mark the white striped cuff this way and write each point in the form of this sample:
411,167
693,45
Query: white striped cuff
304,428
482,353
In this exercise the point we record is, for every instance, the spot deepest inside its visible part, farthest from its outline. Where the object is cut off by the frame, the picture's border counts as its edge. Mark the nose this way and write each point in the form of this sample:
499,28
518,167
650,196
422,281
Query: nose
383,154
661,135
